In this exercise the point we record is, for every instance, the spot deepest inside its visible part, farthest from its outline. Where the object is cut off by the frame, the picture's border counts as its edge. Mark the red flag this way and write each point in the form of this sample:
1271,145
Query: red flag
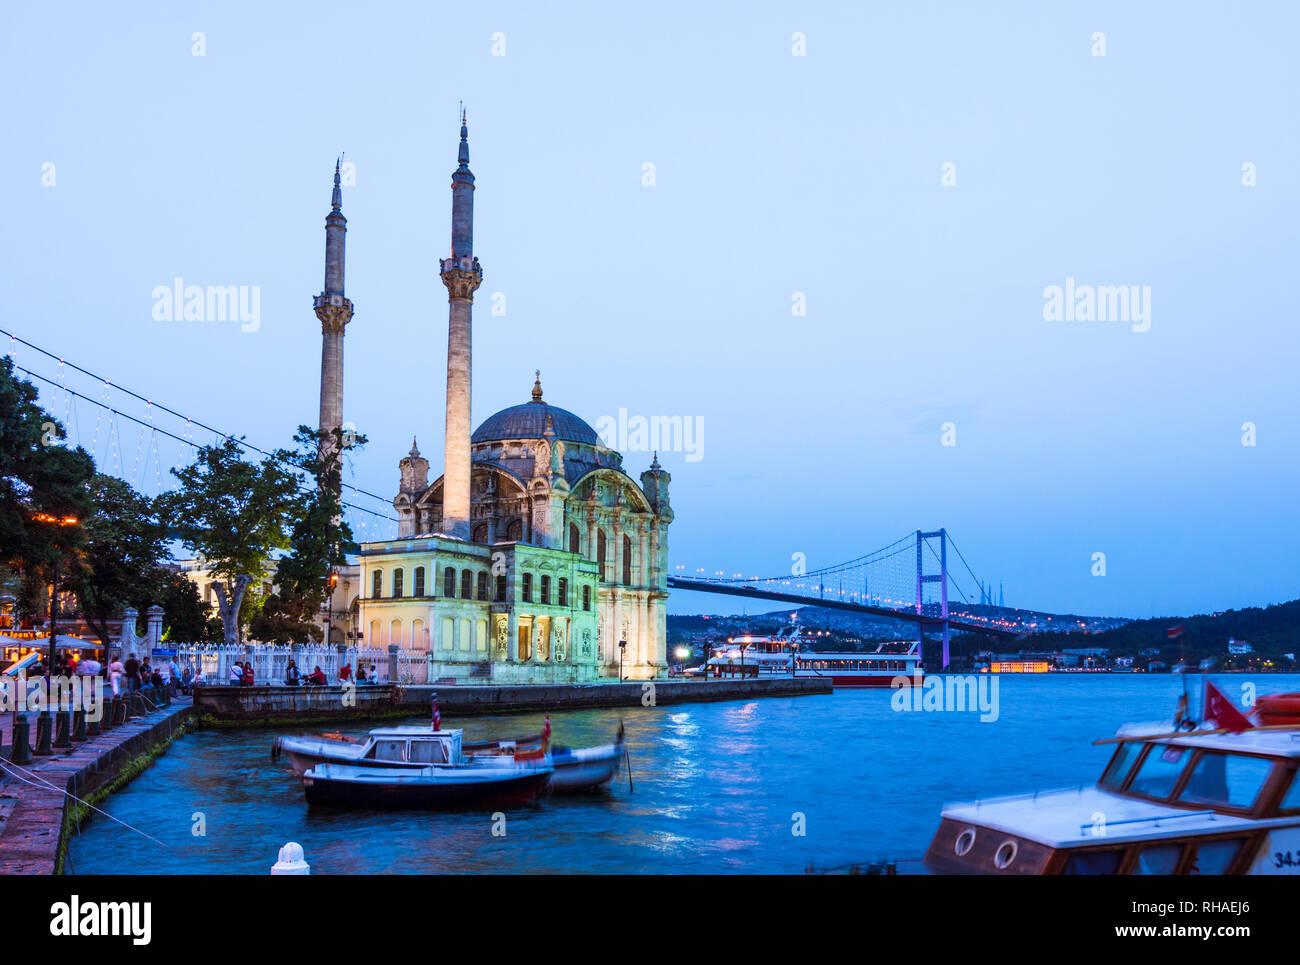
437,717
1219,709
1174,632
546,733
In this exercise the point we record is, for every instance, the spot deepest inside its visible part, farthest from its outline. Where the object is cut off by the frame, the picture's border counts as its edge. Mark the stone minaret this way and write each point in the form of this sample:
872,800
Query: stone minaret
334,312
462,276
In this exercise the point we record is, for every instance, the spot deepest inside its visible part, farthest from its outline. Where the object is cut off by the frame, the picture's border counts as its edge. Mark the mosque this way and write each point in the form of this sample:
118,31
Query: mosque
535,557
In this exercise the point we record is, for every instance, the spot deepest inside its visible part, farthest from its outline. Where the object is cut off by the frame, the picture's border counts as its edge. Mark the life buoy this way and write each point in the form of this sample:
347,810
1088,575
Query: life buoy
1274,709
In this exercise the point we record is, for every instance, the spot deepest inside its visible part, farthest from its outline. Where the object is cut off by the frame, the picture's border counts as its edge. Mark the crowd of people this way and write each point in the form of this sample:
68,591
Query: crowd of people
132,674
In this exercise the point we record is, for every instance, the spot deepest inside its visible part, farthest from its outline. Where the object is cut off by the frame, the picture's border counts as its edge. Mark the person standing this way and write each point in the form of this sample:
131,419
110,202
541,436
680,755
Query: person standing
132,670
236,674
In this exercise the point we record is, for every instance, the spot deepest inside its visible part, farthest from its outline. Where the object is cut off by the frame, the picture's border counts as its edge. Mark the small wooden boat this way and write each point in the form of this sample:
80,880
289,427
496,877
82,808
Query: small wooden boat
435,788
575,770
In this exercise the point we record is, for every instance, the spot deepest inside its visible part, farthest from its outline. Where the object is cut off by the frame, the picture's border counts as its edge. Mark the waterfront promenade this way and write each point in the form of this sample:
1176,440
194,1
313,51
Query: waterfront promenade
36,813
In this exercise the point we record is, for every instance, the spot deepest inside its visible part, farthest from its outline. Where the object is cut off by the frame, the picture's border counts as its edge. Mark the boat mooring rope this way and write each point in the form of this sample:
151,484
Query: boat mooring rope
7,765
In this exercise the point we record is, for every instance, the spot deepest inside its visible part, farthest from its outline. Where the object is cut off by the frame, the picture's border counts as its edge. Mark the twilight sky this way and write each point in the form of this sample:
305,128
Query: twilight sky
778,180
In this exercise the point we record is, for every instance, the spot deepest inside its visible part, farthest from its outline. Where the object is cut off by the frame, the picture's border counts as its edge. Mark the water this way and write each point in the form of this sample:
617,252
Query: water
716,787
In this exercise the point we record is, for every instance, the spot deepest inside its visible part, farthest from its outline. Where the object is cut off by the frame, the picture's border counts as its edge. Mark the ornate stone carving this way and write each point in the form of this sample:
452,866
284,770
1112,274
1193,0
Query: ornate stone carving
334,312
461,282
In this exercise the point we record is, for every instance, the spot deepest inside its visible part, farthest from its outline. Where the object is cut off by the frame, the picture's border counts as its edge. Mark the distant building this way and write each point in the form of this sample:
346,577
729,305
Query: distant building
1020,666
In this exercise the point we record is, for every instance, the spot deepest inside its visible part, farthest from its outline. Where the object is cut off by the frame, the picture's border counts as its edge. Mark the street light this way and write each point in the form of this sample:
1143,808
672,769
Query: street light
44,723
622,646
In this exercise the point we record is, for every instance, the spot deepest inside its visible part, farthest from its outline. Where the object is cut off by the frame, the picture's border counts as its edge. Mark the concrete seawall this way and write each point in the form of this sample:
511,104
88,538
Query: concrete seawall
254,706
38,816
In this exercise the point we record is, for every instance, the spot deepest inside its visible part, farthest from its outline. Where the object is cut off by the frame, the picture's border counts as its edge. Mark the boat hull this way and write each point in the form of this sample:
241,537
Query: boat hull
585,770
379,788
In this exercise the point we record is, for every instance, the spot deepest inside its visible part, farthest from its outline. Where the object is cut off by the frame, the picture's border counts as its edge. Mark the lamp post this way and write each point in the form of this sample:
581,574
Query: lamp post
44,722
622,646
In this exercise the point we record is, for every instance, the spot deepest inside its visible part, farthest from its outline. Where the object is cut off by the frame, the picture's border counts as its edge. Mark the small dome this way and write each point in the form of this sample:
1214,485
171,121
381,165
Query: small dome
529,421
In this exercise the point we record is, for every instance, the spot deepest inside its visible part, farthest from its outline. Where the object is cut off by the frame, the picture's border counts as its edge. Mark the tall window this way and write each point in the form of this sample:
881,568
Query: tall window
586,597
449,582
376,584
515,531
600,551
482,586
419,581
564,592
397,583
627,561
546,589
481,533
528,588
575,544
501,588
467,584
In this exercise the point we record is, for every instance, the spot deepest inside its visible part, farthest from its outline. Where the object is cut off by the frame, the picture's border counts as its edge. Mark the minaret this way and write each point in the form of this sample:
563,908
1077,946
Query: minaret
462,276
334,312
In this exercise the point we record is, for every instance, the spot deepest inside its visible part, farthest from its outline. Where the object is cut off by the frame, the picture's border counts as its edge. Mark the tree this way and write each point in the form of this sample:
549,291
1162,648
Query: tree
44,494
235,515
123,554
186,618
317,544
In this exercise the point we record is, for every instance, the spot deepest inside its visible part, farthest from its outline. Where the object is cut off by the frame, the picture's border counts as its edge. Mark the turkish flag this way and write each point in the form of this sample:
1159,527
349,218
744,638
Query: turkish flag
1173,632
1219,709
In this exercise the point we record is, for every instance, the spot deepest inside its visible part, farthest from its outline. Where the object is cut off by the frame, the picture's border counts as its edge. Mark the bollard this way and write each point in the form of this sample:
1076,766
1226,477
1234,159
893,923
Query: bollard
110,712
92,723
291,861
122,707
44,724
78,725
21,752
63,728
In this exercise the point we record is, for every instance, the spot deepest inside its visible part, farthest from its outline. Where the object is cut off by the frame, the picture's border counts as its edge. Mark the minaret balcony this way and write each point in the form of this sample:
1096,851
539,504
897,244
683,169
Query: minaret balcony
333,301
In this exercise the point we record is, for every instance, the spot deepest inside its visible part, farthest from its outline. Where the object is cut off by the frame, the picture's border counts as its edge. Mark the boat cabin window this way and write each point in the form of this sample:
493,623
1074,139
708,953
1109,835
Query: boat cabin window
1226,780
1159,770
427,752
1158,859
1214,857
1291,801
1120,764
1094,862
388,750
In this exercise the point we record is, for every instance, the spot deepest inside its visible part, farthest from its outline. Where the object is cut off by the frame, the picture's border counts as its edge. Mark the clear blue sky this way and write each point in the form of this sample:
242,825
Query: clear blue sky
775,174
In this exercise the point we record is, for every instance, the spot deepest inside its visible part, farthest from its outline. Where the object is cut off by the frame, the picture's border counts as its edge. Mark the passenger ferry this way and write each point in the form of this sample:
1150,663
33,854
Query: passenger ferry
785,654
1171,801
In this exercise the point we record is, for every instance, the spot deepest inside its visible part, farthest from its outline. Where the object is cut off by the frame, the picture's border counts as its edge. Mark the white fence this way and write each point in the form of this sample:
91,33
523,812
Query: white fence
271,660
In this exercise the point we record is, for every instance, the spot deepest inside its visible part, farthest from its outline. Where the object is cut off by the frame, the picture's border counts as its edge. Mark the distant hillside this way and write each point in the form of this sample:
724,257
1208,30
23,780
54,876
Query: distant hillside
1271,630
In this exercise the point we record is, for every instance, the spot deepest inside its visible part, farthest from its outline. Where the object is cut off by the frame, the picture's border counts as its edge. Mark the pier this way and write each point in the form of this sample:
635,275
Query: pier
36,812
287,706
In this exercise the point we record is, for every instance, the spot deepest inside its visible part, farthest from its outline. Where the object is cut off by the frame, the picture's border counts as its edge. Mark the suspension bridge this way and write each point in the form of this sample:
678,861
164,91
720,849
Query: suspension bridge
907,580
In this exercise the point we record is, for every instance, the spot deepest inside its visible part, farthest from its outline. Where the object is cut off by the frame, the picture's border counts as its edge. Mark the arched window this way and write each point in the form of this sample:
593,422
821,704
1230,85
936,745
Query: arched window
467,584
564,592
397,583
482,586
600,552
449,581
575,544
501,588
586,597
627,561
528,588
376,584
515,531
419,581
546,589
481,533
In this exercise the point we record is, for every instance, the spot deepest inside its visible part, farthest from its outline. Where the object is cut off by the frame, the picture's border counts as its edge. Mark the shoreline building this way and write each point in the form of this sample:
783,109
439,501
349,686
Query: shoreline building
534,558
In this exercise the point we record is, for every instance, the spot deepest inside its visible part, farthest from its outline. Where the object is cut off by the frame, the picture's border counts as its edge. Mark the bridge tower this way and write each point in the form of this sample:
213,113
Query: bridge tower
941,578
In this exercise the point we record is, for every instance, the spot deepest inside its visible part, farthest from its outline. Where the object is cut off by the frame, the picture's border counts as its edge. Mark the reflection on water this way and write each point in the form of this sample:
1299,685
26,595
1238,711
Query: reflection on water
715,787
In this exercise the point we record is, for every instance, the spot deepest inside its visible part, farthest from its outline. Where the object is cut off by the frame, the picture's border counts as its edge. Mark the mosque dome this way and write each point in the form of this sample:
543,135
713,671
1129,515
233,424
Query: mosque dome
528,421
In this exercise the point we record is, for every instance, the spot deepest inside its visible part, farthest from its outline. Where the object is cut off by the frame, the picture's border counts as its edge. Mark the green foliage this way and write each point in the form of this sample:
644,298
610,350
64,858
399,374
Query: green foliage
302,578
123,554
235,515
44,494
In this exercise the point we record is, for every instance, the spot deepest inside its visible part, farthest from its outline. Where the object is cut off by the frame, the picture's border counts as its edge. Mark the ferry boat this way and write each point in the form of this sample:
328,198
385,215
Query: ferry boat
785,654
1195,799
